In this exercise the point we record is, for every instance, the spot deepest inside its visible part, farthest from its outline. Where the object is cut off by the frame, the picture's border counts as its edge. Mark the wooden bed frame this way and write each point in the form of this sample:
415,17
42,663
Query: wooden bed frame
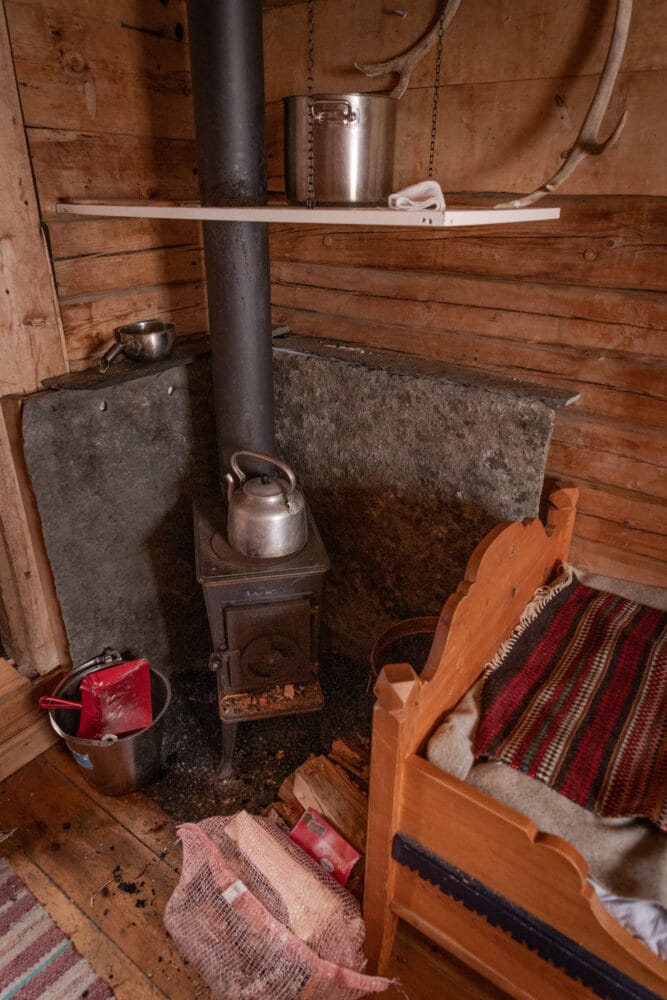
473,875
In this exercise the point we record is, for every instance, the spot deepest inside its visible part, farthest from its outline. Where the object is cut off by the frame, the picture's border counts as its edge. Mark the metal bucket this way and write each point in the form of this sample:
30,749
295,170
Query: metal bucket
115,764
352,143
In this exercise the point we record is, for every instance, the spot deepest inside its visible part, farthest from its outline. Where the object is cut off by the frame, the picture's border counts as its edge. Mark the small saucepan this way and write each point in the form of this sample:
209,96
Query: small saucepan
147,340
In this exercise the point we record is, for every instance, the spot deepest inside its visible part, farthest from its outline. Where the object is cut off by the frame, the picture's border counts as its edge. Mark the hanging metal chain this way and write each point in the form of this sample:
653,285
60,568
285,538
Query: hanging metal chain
310,194
436,88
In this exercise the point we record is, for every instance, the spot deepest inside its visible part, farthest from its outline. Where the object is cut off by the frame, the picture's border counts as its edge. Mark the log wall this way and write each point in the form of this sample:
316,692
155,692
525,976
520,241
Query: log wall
31,348
579,303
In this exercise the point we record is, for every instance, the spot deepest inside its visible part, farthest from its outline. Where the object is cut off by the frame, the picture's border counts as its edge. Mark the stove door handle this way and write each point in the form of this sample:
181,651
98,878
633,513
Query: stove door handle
227,660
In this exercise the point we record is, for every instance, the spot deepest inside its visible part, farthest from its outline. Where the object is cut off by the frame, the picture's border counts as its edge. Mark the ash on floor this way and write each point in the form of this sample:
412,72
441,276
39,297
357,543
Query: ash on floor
267,751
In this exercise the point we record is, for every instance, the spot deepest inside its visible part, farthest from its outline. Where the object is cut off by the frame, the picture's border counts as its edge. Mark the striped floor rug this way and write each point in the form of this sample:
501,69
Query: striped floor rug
37,961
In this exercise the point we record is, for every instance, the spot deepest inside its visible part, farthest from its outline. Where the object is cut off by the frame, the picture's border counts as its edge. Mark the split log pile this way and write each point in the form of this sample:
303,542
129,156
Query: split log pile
24,728
336,786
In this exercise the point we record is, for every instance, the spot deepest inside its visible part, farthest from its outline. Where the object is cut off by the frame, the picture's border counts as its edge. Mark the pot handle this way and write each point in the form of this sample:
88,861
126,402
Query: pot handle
336,112
241,476
110,356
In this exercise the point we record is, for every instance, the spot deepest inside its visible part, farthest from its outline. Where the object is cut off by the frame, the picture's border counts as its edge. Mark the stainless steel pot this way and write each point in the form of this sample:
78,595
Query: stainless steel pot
353,148
147,340
266,516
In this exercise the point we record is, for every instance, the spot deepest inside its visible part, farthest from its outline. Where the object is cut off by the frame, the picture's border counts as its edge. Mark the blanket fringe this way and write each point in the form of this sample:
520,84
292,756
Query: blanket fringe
539,600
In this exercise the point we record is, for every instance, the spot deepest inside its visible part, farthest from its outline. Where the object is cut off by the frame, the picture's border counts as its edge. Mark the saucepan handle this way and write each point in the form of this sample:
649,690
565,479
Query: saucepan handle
110,356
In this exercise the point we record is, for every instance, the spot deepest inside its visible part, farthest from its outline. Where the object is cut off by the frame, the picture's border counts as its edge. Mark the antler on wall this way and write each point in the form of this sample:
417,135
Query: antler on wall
587,143
405,63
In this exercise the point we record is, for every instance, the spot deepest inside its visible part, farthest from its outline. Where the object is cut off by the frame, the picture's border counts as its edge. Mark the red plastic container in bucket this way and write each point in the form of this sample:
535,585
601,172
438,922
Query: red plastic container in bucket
114,765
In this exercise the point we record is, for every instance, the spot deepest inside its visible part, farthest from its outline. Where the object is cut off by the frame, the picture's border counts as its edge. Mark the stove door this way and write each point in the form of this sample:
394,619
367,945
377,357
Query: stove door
268,644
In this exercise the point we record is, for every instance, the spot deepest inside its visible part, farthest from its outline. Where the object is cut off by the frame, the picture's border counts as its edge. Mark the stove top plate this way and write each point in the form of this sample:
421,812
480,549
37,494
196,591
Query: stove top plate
216,560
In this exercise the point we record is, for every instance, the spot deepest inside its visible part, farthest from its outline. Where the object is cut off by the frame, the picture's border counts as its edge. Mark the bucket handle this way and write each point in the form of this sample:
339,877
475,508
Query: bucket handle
338,112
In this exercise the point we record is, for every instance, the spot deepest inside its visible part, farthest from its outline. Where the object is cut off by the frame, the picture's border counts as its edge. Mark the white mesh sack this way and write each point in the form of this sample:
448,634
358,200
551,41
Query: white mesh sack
260,919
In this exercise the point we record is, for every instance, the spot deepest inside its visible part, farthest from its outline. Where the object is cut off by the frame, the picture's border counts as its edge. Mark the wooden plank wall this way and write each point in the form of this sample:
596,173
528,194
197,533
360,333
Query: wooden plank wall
31,348
579,302
105,90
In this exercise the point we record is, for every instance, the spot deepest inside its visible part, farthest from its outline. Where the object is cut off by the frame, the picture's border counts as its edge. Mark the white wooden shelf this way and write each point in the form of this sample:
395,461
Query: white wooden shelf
317,216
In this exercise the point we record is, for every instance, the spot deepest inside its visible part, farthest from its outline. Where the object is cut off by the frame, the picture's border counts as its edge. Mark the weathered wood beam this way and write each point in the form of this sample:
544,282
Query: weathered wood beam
32,349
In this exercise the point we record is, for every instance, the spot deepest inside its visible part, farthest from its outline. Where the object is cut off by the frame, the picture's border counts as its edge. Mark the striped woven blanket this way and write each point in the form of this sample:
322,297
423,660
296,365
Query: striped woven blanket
578,700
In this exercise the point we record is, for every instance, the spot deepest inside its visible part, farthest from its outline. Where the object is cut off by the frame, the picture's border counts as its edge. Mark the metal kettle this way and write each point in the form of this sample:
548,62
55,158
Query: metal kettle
266,516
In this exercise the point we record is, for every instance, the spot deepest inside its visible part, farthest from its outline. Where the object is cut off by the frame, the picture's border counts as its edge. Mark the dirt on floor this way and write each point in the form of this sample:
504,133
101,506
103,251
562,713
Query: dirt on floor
267,751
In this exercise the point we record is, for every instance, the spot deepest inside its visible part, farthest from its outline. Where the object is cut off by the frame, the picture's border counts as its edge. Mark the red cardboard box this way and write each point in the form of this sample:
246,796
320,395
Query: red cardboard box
325,845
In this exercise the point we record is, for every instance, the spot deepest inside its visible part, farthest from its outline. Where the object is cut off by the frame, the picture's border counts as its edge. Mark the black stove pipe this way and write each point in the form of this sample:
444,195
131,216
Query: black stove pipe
226,57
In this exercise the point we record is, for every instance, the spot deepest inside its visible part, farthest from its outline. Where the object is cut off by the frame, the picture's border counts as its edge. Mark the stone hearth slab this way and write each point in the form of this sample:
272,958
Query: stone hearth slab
405,464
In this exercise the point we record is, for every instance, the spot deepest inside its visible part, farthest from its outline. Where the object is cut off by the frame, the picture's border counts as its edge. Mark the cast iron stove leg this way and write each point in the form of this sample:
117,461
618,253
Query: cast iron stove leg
228,743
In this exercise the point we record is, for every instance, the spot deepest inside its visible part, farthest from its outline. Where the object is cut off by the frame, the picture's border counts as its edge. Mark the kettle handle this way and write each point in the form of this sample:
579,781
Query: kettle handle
241,476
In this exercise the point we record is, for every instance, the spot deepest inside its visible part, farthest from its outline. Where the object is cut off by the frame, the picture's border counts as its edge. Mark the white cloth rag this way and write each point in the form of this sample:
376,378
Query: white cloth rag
643,918
422,196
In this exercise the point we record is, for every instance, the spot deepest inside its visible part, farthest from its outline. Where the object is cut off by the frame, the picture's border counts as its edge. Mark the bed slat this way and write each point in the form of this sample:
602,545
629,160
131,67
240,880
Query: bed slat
504,849
558,949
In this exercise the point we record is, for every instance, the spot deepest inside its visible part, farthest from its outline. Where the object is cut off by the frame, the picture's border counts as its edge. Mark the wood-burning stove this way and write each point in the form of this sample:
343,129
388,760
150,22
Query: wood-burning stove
264,618
263,613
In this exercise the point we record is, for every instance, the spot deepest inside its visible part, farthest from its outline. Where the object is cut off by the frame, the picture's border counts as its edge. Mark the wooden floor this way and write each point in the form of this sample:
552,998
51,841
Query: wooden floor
81,852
